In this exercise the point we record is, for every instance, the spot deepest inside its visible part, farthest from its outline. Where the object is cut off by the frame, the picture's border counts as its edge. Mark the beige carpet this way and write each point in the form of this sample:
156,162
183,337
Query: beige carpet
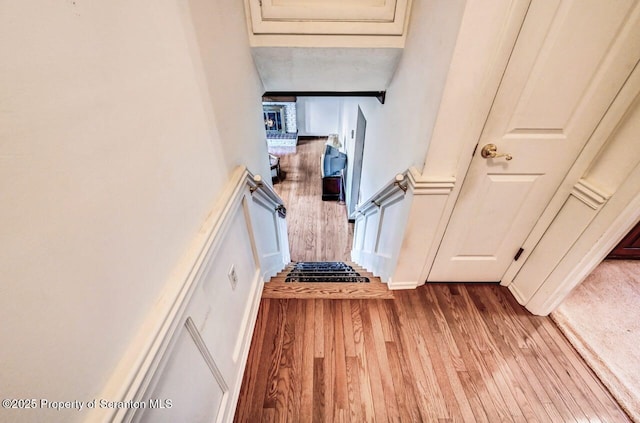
601,318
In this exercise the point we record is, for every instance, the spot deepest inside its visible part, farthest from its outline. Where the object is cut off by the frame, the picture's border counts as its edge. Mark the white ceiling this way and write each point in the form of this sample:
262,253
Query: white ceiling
326,69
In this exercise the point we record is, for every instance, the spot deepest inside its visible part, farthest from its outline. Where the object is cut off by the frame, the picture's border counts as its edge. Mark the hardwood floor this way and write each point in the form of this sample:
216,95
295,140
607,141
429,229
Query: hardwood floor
442,352
318,230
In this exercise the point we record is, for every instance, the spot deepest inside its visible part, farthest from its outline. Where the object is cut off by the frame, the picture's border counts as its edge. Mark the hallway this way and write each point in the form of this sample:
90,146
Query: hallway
443,352
318,230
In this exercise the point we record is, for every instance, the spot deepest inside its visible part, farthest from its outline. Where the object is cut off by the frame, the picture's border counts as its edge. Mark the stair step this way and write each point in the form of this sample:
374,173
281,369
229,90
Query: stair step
323,274
326,290
318,280
328,278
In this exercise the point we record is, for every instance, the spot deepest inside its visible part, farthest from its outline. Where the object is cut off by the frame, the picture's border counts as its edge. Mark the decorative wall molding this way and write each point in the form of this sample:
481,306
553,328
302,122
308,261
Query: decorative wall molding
552,292
312,17
272,256
376,240
589,195
241,351
206,355
429,186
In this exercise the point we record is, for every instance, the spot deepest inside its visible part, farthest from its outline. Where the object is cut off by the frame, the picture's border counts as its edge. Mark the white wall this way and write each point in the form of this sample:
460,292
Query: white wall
398,131
218,44
318,116
335,68
110,160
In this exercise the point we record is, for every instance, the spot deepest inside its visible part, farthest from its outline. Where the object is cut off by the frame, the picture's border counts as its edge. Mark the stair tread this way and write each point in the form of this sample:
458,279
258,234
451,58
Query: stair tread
335,290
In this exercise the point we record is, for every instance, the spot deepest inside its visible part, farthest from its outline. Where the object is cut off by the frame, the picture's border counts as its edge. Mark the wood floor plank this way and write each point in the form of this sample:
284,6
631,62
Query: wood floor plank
318,390
308,350
404,397
459,353
424,350
380,347
373,368
353,390
319,328
401,366
347,321
295,321
364,378
340,362
329,358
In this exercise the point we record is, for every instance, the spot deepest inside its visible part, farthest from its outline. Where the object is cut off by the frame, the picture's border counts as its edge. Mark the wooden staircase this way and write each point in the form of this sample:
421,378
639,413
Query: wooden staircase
278,287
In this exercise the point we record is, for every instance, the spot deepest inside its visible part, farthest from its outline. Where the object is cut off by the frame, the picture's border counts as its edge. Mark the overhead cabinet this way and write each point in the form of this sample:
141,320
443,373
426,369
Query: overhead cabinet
330,17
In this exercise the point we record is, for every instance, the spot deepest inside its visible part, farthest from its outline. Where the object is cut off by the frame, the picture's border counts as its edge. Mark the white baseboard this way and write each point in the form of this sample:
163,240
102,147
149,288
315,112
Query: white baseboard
397,285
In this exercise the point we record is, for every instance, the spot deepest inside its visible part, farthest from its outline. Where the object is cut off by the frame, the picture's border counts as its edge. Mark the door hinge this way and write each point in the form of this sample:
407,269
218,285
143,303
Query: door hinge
474,150
518,254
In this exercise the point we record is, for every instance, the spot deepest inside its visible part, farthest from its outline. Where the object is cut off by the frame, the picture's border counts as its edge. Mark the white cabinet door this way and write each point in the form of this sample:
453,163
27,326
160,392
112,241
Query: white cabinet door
363,17
569,62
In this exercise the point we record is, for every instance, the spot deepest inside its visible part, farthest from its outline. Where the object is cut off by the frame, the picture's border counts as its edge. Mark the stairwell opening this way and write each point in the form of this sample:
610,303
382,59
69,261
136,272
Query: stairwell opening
316,149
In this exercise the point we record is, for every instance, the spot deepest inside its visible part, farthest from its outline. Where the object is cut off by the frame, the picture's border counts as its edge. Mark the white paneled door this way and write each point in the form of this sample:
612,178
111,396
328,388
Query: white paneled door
568,63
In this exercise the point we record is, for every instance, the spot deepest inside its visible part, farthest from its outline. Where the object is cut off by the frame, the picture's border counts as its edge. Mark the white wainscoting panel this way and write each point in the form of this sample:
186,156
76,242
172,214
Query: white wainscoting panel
192,349
581,207
269,234
191,388
378,231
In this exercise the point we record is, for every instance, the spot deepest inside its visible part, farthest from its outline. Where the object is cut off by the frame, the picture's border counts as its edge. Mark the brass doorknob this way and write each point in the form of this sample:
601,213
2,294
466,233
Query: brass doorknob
490,151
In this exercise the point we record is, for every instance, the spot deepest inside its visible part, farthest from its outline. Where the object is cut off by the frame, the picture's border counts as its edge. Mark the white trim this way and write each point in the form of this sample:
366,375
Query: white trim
250,312
262,18
217,374
394,285
247,328
589,195
520,298
609,239
206,355
430,186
